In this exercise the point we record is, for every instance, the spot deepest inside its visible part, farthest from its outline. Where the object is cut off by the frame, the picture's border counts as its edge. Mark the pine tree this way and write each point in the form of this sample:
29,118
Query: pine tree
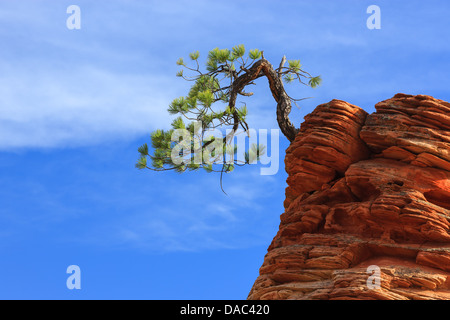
228,73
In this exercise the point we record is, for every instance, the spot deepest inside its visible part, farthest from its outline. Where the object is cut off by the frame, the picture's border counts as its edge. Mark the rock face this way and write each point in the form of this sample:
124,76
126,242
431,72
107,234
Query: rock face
368,199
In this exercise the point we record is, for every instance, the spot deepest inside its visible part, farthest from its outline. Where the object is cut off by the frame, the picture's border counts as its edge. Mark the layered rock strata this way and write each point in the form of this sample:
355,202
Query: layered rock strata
368,198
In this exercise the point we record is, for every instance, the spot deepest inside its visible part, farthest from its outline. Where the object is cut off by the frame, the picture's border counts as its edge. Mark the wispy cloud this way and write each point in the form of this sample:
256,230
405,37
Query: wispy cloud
191,216
112,78
78,107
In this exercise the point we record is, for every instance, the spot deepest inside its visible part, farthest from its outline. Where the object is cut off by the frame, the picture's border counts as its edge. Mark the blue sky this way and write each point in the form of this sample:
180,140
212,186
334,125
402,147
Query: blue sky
76,104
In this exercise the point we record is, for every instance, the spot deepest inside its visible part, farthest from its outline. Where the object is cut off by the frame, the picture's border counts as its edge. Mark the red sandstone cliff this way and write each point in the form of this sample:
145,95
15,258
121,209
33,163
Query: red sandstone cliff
365,190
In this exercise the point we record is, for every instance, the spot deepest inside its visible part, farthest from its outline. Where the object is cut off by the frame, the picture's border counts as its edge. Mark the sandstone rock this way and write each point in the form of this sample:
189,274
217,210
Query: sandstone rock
327,144
365,190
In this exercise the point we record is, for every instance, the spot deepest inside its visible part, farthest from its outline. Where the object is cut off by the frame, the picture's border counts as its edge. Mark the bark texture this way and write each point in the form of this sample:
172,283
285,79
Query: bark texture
259,69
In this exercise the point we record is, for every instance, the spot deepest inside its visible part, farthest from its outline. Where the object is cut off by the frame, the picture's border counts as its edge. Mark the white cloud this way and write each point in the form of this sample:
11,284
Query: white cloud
50,108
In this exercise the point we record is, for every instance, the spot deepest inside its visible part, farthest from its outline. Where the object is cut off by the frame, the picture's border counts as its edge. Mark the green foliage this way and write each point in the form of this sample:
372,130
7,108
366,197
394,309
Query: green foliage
199,109
143,150
142,163
255,152
242,112
238,51
295,65
205,97
219,55
180,62
315,81
178,105
289,78
194,55
178,123
254,54
211,65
